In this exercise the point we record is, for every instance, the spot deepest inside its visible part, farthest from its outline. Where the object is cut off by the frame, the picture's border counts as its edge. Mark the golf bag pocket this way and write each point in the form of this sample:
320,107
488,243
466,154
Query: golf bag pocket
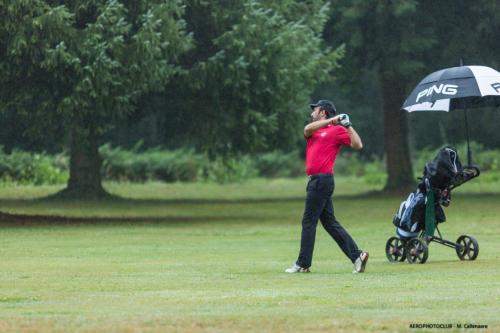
410,216
440,216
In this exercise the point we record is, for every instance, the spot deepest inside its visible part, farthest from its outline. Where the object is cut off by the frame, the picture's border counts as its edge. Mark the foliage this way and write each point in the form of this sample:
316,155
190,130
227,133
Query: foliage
371,170
85,59
172,166
169,166
26,168
185,165
251,71
232,77
81,65
390,47
385,35
280,164
229,170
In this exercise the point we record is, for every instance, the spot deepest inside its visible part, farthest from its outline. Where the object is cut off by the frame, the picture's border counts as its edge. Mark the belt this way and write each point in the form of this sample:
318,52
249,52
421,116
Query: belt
320,175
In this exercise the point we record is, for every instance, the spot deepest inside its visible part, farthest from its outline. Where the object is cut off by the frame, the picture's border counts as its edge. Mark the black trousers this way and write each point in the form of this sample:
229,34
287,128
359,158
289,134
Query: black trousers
319,206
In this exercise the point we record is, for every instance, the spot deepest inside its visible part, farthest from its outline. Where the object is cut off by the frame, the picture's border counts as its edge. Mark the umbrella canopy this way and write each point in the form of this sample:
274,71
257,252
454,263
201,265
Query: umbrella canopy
456,88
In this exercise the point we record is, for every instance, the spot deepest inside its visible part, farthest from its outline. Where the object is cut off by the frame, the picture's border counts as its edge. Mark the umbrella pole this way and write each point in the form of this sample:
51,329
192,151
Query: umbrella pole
469,153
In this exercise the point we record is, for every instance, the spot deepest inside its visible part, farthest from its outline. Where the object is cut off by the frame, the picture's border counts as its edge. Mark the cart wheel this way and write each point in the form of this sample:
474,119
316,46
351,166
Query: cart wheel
416,251
467,248
395,249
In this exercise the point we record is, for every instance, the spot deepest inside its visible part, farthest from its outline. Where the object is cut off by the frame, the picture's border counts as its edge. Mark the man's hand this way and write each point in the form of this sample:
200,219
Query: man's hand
335,120
344,120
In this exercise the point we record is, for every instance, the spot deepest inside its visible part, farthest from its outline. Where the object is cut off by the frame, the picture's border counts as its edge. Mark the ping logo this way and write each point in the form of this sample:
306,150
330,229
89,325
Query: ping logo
445,89
496,86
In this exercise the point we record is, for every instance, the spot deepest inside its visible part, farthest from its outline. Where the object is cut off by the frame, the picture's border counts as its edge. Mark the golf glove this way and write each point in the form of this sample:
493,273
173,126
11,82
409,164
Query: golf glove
344,120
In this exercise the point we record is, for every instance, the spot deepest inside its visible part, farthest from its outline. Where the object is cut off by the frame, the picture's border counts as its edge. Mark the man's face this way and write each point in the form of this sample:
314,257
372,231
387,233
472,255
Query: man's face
317,113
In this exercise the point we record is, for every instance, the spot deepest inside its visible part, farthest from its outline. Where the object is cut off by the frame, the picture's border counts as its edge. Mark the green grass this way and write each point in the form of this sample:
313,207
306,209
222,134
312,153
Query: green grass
203,257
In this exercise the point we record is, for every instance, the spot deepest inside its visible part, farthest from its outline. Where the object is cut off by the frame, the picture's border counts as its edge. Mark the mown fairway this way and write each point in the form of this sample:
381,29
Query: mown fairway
211,258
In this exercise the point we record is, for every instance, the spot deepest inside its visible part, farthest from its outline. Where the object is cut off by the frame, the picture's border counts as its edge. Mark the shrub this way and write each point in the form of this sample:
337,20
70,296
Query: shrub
186,165
229,170
152,164
350,163
33,168
279,164
374,173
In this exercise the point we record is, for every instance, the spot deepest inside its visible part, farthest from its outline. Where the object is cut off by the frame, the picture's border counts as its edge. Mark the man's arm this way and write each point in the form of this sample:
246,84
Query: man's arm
353,135
355,139
316,125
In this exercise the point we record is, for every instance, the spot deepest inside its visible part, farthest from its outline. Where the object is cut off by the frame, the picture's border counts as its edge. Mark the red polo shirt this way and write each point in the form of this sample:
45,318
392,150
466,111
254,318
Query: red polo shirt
322,148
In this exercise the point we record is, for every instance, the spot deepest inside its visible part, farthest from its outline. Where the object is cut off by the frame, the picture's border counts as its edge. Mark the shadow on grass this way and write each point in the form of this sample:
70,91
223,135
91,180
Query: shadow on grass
12,219
24,220
204,201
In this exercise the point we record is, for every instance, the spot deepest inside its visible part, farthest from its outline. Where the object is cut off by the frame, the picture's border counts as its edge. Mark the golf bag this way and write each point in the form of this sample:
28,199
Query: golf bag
410,215
438,176
419,215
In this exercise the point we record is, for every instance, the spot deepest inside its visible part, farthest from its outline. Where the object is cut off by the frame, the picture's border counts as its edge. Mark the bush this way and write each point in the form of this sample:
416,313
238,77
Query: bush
279,164
374,173
350,163
152,164
230,170
186,165
30,168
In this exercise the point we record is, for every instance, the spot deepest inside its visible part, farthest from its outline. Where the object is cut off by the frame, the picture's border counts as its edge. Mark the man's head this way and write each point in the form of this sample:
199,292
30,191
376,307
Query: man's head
322,109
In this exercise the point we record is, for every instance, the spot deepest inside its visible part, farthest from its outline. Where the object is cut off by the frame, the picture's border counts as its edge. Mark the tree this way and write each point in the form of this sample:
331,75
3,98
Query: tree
385,37
390,47
84,64
249,75
468,31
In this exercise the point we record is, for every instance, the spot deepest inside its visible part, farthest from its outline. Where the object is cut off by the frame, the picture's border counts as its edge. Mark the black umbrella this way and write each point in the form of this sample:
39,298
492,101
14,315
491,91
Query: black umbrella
456,88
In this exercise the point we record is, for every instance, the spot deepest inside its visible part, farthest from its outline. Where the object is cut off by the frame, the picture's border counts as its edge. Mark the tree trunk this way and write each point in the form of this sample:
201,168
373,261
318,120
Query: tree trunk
399,169
85,166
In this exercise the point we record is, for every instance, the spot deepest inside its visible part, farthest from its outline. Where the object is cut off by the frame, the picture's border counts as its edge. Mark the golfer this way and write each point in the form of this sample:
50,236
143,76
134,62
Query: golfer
325,136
